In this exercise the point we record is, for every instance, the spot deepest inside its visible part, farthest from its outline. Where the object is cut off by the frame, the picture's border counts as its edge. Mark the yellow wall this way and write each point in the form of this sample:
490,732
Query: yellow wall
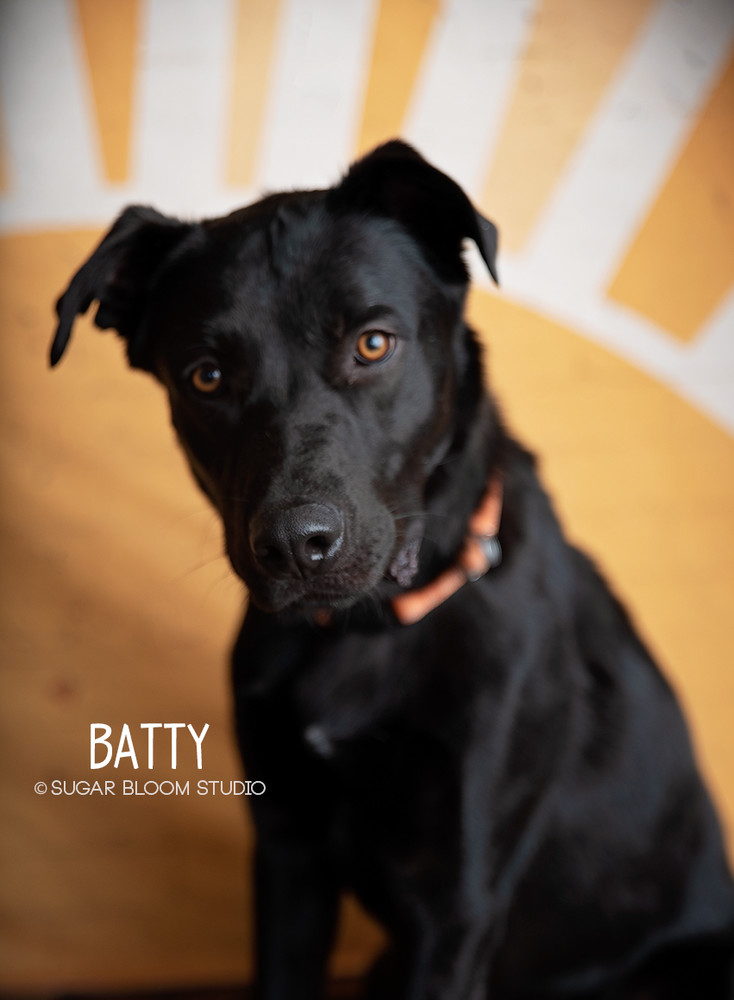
116,604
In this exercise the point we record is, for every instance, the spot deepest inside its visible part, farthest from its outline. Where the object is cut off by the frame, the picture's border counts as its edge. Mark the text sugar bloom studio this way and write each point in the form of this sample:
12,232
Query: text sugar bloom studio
133,787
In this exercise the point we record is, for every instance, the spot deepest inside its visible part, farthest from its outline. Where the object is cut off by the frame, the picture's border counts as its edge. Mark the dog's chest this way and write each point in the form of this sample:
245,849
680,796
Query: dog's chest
363,716
397,808
344,690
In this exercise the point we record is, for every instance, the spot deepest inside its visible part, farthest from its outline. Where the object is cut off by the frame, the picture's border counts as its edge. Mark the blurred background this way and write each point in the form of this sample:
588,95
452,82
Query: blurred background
599,136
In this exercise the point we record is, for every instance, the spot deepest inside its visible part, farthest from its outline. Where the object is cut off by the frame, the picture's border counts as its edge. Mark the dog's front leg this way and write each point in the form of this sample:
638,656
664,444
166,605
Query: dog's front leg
436,957
453,962
296,904
296,872
296,864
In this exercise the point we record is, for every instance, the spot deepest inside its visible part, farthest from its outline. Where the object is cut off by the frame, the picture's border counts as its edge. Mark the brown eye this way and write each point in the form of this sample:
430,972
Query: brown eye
373,346
206,377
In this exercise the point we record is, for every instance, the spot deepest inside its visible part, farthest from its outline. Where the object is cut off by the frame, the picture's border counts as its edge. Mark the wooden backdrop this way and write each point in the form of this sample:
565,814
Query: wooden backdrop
599,136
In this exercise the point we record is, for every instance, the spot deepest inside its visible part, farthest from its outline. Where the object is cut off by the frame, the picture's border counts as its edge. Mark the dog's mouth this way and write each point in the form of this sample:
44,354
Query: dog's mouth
275,596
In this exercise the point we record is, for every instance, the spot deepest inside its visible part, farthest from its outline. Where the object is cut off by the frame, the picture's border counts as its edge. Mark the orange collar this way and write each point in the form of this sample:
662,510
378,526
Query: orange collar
480,553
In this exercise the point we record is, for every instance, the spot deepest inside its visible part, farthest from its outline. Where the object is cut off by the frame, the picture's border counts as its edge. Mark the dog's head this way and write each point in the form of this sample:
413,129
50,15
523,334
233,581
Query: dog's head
315,356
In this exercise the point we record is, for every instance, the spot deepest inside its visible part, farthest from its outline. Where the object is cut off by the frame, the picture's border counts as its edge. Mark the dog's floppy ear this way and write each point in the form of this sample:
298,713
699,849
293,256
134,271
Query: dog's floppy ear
119,275
394,180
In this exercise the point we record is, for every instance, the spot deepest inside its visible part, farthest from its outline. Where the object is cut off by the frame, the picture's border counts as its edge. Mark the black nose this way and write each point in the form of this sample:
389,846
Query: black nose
297,541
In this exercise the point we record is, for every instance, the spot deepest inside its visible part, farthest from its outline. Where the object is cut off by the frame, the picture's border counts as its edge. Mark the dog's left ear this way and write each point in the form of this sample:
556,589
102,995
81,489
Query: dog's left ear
394,180
119,275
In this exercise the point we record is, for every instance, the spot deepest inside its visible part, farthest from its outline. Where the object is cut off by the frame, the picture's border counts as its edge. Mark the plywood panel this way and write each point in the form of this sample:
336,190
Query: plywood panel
403,30
257,21
109,31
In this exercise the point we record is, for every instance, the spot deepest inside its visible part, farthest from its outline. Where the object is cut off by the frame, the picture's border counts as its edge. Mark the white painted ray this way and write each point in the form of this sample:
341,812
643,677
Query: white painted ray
629,148
180,115
710,363
53,156
701,372
319,77
705,379
183,102
465,85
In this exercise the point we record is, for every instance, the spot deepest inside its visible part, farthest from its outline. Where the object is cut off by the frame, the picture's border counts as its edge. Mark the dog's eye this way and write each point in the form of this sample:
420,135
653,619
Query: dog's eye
206,377
374,346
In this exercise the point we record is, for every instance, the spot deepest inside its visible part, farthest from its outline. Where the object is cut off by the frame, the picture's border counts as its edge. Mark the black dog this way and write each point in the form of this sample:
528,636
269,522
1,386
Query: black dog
452,714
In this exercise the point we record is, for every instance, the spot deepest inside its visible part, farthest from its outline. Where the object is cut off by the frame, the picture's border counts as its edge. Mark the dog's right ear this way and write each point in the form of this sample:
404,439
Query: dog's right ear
119,275
395,181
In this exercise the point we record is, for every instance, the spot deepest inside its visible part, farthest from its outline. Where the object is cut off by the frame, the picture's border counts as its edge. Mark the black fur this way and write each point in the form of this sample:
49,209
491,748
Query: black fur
507,785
